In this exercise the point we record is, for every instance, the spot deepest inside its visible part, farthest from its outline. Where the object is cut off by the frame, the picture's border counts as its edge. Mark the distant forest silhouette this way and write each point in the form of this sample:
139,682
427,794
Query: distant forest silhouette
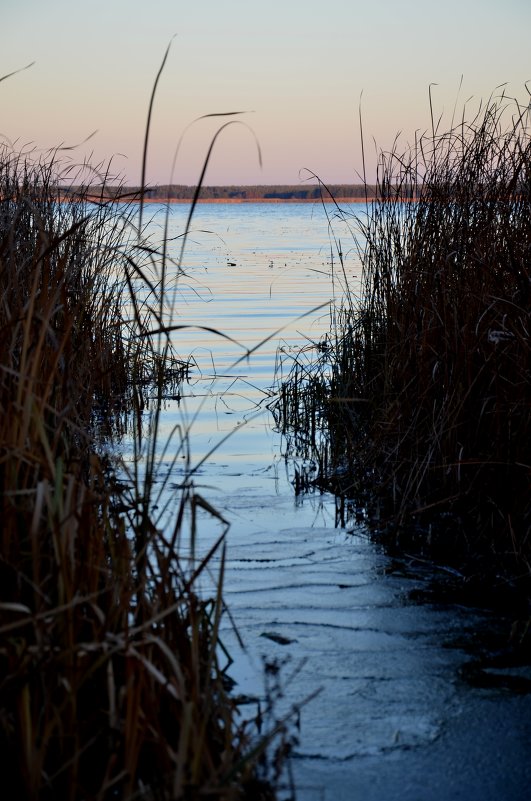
237,193
260,192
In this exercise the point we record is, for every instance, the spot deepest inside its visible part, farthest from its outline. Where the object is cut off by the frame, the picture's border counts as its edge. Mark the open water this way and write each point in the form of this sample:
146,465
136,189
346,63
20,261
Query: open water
394,719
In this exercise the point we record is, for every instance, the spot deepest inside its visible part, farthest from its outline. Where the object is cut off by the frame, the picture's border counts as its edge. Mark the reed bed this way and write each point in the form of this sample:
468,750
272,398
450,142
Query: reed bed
113,680
416,406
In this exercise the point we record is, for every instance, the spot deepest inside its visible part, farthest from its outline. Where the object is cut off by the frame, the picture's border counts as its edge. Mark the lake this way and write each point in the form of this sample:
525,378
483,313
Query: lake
394,718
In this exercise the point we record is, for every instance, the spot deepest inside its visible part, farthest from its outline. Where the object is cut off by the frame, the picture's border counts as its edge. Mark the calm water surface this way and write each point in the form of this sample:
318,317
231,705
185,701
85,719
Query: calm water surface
393,719
262,275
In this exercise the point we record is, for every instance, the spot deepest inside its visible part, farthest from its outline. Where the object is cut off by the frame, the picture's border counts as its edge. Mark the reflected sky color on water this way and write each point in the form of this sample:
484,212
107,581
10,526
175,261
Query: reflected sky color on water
394,720
263,275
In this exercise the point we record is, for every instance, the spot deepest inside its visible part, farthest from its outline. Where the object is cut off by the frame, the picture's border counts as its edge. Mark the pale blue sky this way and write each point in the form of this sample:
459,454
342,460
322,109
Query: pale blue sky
297,66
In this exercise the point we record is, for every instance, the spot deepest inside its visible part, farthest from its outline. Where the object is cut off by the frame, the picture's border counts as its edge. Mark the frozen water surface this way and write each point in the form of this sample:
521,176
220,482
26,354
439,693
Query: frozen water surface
393,719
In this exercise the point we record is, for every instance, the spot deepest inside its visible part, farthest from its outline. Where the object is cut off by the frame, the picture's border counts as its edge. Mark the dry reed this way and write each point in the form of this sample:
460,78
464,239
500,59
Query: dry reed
112,677
420,395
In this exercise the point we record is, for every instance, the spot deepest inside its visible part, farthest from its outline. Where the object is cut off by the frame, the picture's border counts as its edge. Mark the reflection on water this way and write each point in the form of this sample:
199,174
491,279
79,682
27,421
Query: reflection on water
250,271
393,720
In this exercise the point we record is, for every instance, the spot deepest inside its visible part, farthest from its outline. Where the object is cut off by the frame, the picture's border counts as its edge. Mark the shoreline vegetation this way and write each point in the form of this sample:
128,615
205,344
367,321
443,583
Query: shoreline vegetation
415,407
114,682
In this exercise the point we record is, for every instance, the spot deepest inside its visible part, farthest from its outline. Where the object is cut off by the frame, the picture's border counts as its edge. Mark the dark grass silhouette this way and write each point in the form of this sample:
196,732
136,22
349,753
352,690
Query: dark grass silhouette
113,682
416,406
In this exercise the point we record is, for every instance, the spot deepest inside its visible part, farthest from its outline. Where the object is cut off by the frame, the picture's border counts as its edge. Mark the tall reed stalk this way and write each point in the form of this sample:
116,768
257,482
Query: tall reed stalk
421,392
112,681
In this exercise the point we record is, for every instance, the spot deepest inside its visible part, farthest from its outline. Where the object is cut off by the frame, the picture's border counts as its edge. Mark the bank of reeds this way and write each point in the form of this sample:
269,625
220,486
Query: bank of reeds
112,682
417,405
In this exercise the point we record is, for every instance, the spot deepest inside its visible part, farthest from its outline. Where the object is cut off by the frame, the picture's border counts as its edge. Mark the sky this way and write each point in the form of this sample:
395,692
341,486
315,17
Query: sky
298,69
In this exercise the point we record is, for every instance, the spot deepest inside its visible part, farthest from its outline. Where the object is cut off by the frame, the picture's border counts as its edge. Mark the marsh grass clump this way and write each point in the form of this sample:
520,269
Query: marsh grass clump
424,382
112,682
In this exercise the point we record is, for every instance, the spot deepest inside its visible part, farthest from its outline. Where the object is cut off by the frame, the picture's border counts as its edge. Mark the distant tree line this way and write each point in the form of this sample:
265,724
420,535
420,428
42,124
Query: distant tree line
273,192
278,192
260,192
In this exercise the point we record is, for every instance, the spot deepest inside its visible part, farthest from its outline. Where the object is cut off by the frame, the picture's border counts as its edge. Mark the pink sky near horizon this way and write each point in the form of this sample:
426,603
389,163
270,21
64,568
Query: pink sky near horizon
296,68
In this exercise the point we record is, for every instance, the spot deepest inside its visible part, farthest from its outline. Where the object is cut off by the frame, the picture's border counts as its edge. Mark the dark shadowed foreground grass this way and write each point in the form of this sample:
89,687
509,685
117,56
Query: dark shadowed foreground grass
111,683
417,405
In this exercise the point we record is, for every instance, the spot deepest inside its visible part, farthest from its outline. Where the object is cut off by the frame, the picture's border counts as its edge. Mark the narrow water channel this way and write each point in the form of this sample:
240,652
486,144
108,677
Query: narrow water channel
393,719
